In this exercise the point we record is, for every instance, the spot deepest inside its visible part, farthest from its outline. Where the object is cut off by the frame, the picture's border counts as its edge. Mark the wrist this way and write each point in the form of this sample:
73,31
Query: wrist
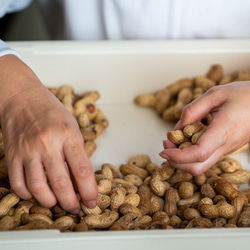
15,77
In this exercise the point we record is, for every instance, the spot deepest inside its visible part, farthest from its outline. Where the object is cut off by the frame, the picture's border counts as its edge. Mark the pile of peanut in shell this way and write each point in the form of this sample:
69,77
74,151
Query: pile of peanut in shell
141,195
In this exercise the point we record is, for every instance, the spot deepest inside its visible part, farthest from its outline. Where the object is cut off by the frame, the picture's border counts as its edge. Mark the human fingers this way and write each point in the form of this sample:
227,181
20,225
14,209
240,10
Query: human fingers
215,137
60,182
201,107
197,168
37,182
168,144
17,178
82,172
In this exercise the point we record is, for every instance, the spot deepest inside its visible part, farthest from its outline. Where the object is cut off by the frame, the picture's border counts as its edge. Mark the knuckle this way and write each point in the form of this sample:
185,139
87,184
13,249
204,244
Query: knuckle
69,130
203,156
36,186
83,171
60,183
44,136
16,185
195,171
73,137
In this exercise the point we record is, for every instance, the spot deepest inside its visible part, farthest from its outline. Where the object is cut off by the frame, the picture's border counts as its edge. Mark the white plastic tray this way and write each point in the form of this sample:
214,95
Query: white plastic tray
120,71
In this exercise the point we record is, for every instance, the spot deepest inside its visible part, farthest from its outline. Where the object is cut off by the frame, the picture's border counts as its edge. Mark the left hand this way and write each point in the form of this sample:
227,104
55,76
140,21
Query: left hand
229,106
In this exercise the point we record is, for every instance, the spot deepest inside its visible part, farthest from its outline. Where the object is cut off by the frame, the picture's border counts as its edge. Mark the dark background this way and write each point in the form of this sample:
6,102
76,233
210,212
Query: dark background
32,23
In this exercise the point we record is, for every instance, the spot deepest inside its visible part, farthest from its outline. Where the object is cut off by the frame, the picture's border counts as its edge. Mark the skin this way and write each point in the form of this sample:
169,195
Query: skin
40,136
230,107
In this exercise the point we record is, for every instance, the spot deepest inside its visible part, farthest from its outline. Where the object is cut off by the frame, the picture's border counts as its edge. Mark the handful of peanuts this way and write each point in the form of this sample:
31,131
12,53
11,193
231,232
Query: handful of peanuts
140,194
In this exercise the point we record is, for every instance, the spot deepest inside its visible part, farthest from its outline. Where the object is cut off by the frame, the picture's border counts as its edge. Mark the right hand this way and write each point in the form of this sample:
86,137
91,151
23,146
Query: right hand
40,136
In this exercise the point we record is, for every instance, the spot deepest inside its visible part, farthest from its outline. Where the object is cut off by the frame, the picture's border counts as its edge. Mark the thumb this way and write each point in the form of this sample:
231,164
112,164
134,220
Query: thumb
200,108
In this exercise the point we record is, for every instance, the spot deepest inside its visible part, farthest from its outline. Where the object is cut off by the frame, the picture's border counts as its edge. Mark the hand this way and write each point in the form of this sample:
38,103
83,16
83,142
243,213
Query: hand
229,106
40,136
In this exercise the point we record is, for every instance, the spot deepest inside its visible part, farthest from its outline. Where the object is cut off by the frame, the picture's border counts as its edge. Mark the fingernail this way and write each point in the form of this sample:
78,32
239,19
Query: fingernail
76,211
177,125
164,156
91,204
